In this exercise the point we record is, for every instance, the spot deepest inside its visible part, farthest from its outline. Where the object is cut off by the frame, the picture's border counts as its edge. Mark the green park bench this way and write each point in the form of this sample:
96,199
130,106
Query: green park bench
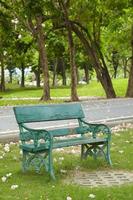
37,144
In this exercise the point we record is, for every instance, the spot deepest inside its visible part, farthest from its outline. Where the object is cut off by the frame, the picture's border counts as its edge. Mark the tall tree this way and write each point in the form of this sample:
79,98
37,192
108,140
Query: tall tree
31,16
64,7
95,55
91,42
5,39
43,57
22,46
129,92
56,52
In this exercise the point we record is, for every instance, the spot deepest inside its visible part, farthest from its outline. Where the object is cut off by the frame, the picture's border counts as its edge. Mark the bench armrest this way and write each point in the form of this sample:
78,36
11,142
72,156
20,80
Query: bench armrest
27,133
98,128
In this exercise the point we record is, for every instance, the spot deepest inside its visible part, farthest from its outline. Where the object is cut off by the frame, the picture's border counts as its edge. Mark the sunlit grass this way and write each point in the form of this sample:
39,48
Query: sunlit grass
92,89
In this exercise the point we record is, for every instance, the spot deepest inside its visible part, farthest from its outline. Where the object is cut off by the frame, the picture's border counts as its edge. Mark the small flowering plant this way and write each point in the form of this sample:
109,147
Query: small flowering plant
69,198
13,187
6,148
92,196
4,178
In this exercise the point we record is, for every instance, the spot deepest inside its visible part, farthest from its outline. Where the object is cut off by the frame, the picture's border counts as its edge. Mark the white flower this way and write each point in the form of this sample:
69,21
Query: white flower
73,151
12,143
15,21
19,36
63,171
69,198
61,149
6,148
55,160
20,152
13,187
6,145
61,158
3,179
92,196
8,175
3,154
1,157
121,151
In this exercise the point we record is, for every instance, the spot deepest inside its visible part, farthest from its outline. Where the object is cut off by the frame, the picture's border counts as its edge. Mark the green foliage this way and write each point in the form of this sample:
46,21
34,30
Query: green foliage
107,22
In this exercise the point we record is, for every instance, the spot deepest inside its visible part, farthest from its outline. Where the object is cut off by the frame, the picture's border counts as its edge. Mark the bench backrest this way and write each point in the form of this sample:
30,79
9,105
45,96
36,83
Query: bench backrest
27,114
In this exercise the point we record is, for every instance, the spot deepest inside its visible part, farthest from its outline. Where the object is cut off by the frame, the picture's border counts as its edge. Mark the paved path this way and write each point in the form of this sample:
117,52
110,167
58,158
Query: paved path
103,111
102,178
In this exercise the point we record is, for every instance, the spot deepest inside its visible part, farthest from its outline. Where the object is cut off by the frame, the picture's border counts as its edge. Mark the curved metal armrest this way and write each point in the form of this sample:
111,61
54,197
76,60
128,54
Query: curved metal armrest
37,132
96,128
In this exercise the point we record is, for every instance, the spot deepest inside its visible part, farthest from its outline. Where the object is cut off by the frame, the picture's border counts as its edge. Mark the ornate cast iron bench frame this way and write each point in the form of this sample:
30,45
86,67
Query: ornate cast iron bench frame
37,144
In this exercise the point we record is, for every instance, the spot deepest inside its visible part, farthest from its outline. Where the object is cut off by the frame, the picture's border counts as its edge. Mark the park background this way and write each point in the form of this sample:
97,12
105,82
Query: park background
63,48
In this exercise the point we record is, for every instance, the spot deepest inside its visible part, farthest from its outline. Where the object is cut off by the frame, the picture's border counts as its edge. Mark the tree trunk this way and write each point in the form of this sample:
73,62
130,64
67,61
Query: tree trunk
115,62
125,60
125,71
77,72
129,92
10,76
86,70
2,84
37,77
37,74
63,72
74,95
55,73
100,68
22,75
43,59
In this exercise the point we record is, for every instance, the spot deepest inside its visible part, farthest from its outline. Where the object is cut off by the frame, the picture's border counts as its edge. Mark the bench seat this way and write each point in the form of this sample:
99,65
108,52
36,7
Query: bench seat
62,143
77,141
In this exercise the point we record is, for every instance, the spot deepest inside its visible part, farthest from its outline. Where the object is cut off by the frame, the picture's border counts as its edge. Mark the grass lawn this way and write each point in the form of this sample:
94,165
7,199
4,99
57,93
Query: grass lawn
10,102
32,186
94,89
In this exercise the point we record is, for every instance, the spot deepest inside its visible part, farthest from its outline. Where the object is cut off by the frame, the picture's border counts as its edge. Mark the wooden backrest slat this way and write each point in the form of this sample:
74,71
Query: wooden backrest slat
27,114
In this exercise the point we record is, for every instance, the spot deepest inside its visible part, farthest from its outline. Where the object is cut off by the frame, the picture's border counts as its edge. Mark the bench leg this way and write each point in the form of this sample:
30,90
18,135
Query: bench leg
37,160
50,163
82,151
95,150
24,161
108,154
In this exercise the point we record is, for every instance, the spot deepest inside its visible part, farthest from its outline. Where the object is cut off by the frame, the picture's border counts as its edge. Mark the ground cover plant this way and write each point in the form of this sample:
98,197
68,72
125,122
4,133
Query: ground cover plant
31,186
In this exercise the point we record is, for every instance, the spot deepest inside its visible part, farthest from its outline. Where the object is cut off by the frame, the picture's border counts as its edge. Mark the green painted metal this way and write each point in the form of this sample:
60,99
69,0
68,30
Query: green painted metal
37,144
27,114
